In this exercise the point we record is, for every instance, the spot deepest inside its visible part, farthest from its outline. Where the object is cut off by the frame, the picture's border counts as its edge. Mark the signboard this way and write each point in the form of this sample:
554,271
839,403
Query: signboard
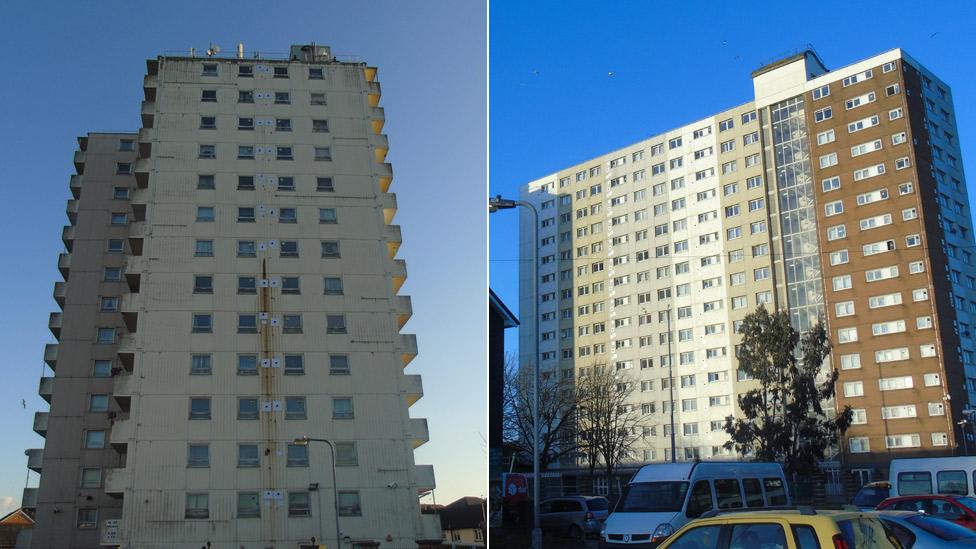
516,487
110,532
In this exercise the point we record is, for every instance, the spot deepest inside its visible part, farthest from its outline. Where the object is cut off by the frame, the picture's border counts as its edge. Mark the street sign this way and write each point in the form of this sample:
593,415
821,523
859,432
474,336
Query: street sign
516,487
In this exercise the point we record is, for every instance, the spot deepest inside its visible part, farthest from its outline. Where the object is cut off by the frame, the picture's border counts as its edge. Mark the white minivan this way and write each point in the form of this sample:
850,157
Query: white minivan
662,497
942,475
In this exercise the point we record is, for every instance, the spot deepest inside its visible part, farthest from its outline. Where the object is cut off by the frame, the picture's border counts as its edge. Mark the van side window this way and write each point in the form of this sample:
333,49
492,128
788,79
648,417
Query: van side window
806,537
914,483
775,493
753,489
953,482
700,499
727,493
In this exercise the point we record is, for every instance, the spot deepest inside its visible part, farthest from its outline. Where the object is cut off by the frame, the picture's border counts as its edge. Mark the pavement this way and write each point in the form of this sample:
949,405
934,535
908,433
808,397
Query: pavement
520,540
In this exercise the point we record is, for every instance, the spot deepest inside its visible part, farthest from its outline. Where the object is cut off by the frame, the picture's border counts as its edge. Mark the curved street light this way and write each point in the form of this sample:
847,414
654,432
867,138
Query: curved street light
304,440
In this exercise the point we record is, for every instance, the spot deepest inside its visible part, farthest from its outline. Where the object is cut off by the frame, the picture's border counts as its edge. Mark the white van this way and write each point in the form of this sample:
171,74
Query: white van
944,475
662,497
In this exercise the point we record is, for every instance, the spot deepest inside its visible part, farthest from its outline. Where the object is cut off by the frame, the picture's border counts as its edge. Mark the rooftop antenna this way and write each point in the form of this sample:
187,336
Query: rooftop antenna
213,50
240,50
193,52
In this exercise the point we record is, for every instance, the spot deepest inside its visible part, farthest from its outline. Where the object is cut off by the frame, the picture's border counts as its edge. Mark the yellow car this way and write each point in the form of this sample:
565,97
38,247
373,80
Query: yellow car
800,528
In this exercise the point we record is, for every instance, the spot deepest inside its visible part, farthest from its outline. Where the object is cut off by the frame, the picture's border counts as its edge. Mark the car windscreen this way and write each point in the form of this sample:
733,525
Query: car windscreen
941,528
598,504
968,502
870,496
652,497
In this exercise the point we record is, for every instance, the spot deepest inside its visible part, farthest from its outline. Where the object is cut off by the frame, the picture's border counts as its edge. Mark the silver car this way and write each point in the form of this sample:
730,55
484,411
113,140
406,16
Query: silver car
575,516
920,531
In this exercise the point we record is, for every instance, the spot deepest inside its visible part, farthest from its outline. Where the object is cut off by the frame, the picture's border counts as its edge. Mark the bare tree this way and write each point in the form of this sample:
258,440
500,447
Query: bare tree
609,424
557,411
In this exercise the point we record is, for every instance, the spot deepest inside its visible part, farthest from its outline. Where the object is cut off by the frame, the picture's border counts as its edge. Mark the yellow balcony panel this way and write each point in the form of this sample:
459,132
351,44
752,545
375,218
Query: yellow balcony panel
381,146
393,240
377,117
403,307
419,435
399,274
407,345
370,73
388,201
46,388
373,94
413,388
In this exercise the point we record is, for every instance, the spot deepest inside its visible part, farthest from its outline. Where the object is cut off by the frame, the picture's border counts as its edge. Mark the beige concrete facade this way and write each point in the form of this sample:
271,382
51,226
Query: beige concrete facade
260,304
613,261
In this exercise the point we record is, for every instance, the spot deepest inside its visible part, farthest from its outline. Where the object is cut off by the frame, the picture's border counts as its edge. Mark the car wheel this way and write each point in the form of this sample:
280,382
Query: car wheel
575,532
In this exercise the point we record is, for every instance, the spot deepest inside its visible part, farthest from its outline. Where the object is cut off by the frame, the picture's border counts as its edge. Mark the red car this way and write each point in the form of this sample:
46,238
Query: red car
958,509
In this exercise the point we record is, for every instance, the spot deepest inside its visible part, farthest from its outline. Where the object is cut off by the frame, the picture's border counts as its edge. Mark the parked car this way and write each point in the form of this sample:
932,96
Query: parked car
958,509
921,531
662,497
801,528
575,516
871,494
944,475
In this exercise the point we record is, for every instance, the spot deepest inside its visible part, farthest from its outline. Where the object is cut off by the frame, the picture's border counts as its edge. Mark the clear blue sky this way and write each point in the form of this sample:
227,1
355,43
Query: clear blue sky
74,67
552,103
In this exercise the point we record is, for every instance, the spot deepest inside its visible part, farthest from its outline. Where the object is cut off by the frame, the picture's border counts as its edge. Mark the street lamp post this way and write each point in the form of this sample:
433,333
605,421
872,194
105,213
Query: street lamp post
335,487
495,204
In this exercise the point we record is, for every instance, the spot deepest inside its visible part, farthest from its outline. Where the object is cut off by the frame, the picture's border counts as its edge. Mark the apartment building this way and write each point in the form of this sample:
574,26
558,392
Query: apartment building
230,286
833,194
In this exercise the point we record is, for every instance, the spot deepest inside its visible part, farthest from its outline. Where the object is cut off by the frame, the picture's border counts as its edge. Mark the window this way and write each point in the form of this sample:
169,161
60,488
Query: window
315,73
330,248
846,335
865,148
842,282
323,153
200,365
895,383
87,518
203,284
828,160
895,114
317,99
102,368
342,408
291,324
298,504
836,232
208,96
127,145
902,163
860,100
98,403
288,215
327,215
106,336
246,248
281,72
825,113
295,408
198,455
748,117
248,505
208,151
338,365
91,478
834,208
289,248
859,445
335,324
324,184
205,214
853,389
247,324
825,137
286,183
247,455
197,506
283,124
116,246
112,274
245,96
863,123
208,123
202,324
199,407
120,193
844,308
94,439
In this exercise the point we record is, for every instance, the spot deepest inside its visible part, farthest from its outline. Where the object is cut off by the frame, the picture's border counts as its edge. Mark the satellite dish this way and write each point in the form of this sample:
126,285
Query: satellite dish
213,50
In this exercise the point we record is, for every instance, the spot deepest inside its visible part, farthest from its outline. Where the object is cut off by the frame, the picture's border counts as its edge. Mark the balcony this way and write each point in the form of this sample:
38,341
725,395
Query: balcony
83,142
413,388
60,290
139,212
46,388
130,303
393,240
29,499
399,274
75,186
134,280
80,162
54,324
152,67
71,210
121,435
122,391
127,351
389,203
149,85
141,171
146,135
403,307
381,146
407,346
35,456
425,478
430,528
145,148
40,423
417,431
373,93
131,319
64,264
51,355
369,73
385,173
117,480
148,111
68,237
377,117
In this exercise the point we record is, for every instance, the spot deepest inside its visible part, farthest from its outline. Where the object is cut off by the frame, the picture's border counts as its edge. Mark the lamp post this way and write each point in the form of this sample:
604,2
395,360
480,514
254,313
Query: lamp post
495,204
335,487
671,386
